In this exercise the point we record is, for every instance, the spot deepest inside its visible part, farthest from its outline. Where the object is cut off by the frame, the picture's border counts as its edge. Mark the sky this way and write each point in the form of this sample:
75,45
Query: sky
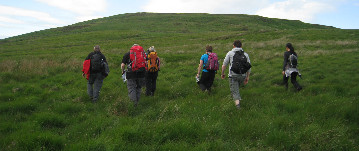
24,16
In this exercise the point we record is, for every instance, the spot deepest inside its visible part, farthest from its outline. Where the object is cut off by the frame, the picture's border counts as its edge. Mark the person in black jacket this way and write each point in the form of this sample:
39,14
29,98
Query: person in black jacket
152,73
97,75
135,79
290,70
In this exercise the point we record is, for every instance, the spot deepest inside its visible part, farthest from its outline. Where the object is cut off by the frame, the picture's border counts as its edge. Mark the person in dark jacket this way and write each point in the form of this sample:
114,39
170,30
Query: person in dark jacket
95,80
152,71
135,79
289,70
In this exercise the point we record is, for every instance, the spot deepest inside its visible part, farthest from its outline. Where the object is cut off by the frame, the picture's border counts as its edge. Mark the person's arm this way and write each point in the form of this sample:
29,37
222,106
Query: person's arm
225,63
124,62
247,78
199,67
248,72
285,61
123,67
222,73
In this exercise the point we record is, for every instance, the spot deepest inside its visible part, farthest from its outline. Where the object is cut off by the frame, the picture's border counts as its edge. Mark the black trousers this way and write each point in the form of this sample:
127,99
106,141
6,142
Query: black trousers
151,78
293,79
206,81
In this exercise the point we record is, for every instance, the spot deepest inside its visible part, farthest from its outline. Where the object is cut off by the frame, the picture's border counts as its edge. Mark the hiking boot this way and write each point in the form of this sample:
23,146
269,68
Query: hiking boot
238,105
298,89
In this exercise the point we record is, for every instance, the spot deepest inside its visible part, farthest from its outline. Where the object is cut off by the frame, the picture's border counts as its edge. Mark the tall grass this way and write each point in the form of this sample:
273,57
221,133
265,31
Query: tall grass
44,103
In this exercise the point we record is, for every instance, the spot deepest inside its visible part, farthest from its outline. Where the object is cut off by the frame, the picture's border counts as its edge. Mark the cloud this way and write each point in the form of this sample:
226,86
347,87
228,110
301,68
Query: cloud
6,12
303,10
10,20
208,6
81,7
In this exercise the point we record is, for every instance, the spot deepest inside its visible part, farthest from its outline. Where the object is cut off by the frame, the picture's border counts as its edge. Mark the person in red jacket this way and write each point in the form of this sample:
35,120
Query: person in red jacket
95,72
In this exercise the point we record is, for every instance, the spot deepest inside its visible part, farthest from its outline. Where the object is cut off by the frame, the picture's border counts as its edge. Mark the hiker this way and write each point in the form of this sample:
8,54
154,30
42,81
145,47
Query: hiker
135,72
96,69
209,62
239,70
153,66
290,67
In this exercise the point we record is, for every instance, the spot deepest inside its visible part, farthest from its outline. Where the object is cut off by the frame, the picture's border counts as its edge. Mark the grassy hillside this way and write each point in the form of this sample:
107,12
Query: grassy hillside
44,105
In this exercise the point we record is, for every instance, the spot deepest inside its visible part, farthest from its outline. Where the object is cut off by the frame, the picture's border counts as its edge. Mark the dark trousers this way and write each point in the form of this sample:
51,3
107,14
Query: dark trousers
206,81
293,79
151,78
134,89
94,85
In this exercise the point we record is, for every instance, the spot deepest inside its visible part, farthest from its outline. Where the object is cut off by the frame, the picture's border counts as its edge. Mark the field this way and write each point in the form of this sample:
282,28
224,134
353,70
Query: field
44,103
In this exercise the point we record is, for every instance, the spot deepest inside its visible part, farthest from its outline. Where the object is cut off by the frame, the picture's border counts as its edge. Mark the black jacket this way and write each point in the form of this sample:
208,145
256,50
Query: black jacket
95,52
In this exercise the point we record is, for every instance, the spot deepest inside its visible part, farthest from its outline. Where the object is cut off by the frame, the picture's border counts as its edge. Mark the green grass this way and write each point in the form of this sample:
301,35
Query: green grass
44,103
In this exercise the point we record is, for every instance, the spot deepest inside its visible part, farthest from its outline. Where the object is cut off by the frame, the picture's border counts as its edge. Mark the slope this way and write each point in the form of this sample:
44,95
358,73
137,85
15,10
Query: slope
44,105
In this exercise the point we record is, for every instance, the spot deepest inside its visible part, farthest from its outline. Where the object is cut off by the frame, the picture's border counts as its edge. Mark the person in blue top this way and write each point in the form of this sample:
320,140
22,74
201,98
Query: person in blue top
207,78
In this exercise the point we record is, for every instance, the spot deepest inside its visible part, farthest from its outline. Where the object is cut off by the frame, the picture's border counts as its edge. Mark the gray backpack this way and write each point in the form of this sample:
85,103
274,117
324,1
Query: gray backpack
293,61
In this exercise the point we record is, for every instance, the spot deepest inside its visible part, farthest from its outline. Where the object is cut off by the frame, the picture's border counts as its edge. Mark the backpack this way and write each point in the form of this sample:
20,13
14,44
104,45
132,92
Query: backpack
240,65
138,59
106,70
96,63
293,61
153,62
212,62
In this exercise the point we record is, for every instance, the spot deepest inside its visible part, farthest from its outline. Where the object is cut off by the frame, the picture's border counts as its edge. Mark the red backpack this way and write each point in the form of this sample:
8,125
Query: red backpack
86,68
138,58
212,63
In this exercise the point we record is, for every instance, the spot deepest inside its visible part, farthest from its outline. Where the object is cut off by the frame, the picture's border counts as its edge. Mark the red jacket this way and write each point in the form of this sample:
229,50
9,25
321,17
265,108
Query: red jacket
86,68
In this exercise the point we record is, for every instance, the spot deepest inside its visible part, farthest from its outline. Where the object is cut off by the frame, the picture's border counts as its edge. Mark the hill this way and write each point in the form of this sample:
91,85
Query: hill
44,105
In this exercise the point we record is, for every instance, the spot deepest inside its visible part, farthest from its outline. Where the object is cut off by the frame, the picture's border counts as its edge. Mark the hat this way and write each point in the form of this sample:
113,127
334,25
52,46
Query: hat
152,49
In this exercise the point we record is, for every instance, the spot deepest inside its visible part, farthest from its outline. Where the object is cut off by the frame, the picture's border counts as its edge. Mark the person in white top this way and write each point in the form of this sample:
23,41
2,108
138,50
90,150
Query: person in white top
236,78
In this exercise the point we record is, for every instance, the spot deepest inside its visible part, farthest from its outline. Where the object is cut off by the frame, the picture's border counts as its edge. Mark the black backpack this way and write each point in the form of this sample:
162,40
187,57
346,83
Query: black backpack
240,65
106,70
96,63
293,61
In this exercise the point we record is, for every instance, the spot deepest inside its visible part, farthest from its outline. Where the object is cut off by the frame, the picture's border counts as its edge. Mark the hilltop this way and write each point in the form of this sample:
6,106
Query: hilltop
44,105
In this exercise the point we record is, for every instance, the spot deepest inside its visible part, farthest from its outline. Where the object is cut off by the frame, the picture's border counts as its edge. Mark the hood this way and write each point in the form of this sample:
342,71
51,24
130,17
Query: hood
237,49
